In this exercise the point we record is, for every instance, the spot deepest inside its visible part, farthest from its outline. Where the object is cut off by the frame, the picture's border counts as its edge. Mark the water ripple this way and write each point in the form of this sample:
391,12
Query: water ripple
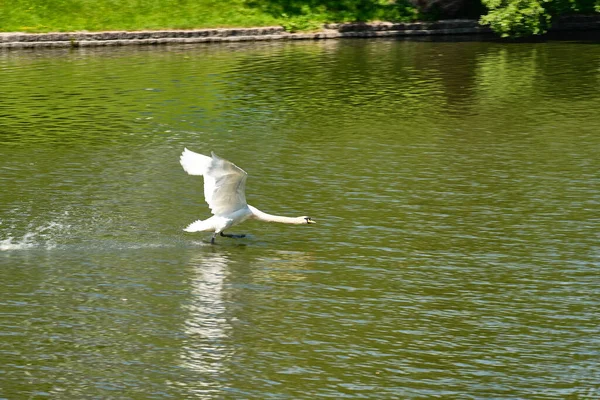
454,185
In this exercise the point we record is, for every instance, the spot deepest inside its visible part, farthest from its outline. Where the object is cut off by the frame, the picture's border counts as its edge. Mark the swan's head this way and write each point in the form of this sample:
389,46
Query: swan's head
307,220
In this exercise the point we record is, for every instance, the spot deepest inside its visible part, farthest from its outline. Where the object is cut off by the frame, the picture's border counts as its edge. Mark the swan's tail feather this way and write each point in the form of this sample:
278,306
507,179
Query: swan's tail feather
194,163
200,226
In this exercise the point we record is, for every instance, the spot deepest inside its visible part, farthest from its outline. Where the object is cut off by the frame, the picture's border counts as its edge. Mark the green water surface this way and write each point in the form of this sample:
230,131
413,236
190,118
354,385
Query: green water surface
455,185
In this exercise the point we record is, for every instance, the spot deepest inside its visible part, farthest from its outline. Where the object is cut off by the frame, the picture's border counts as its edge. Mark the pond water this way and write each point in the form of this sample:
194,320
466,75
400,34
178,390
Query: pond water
455,186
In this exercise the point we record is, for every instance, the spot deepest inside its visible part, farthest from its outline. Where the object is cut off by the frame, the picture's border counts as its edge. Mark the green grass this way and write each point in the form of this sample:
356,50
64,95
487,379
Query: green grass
94,15
97,15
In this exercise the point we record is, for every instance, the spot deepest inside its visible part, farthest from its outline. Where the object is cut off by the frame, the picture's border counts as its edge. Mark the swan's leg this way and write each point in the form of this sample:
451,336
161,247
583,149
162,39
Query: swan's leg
212,239
232,236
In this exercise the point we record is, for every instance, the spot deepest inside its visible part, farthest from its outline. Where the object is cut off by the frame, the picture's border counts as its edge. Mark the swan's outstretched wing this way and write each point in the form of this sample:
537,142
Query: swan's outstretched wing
224,182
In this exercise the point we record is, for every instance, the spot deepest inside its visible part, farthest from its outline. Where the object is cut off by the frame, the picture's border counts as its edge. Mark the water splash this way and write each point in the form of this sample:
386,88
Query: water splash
82,232
43,236
11,243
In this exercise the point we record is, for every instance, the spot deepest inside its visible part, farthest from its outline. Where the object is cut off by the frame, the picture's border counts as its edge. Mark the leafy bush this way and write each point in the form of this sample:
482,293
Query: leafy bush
297,23
298,12
515,18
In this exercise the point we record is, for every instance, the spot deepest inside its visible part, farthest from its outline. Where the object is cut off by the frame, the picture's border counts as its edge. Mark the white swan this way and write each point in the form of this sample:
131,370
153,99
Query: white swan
224,191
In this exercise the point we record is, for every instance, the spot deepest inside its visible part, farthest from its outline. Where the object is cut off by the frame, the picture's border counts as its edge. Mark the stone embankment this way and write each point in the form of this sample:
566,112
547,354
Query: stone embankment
330,31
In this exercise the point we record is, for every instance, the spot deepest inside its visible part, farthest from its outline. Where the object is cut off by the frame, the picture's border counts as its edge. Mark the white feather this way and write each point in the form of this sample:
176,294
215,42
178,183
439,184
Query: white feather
224,182
201,225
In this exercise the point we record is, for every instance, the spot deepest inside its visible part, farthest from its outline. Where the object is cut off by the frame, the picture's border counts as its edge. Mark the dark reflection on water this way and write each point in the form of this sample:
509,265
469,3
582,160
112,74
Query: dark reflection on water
455,185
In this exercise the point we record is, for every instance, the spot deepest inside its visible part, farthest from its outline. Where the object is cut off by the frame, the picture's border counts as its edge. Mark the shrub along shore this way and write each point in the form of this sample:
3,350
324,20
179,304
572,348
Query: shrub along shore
16,40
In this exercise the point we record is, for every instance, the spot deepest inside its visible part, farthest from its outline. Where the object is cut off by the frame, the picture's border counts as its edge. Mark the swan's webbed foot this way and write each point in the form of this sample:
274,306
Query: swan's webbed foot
232,236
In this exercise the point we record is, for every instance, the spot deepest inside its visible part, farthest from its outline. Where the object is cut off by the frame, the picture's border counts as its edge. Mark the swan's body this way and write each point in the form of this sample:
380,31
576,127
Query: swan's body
225,193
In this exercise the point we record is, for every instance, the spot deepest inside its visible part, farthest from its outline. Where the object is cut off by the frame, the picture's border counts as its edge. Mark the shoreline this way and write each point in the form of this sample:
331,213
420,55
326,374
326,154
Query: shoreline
17,40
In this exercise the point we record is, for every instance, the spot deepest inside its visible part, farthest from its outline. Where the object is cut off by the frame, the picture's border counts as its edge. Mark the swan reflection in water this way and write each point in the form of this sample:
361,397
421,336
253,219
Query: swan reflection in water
207,328
208,347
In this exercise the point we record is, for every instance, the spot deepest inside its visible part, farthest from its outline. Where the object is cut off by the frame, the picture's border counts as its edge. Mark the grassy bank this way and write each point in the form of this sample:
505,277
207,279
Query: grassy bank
97,15
507,17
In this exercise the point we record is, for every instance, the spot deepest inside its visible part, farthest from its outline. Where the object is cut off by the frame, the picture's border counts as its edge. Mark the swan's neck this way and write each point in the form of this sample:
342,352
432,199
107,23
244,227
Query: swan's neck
263,216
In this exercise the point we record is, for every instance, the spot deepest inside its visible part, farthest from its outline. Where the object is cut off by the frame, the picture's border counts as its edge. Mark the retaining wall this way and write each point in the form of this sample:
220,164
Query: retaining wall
330,31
